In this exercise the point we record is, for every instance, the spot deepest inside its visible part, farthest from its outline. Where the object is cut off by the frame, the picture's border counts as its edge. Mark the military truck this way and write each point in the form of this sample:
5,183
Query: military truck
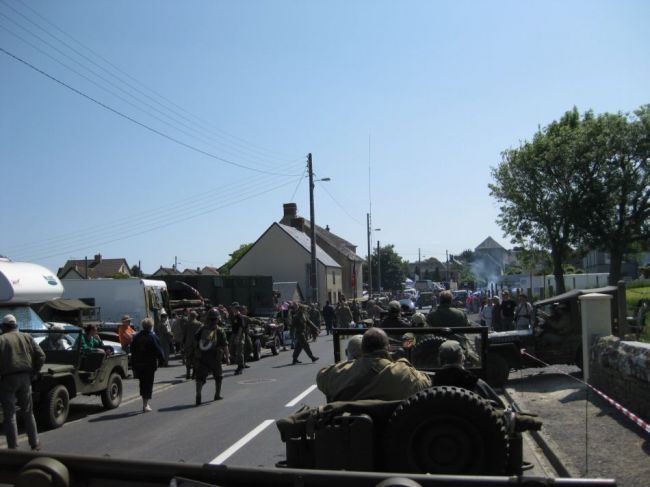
518,349
66,373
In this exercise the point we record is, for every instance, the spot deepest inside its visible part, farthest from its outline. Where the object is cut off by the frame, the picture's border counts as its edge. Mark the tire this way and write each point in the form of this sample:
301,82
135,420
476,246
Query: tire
497,369
257,349
425,353
112,395
54,411
275,345
445,430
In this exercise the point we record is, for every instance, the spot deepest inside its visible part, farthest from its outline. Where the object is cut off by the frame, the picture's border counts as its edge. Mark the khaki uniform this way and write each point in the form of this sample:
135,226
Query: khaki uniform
209,349
344,316
20,357
189,332
300,323
373,376
445,315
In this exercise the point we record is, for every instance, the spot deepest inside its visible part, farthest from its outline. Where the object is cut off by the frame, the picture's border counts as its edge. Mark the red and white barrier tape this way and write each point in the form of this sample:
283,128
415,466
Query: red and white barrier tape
630,415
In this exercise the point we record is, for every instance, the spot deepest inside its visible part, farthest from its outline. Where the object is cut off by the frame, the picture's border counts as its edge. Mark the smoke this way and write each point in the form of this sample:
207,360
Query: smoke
484,271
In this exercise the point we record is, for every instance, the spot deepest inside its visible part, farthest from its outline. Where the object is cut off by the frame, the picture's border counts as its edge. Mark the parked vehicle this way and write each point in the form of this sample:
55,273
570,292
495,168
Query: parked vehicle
66,373
505,348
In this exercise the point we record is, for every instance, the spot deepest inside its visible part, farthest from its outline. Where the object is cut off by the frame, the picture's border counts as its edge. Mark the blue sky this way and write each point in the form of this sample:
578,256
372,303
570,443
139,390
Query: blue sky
410,101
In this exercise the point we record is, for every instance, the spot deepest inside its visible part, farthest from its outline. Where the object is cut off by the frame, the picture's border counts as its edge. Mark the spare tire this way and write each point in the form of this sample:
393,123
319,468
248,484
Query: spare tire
446,430
425,352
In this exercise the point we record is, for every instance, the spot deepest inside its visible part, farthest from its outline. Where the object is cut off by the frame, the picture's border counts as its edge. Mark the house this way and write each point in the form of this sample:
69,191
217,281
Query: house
490,259
284,252
339,249
96,268
599,261
173,271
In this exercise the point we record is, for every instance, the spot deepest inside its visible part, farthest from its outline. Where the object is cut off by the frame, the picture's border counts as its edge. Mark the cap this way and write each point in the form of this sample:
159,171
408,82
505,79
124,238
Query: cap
126,318
234,304
163,312
9,320
394,306
450,352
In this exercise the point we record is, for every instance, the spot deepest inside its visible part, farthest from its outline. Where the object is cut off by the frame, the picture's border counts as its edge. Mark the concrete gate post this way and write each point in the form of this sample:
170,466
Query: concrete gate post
596,311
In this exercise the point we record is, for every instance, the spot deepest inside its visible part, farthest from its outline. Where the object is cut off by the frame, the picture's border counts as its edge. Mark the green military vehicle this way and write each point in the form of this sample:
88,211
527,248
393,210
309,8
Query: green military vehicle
72,372
445,429
68,371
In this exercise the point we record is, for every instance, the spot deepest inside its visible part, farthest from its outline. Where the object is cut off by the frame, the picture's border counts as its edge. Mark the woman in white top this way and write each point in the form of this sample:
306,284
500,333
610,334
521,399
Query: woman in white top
486,314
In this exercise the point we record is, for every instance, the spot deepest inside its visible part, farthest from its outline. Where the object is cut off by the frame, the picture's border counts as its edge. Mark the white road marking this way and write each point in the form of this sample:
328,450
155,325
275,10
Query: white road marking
230,451
299,397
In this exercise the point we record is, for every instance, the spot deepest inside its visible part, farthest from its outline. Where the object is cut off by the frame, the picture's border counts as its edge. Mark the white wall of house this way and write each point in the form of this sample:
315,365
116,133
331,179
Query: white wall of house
280,256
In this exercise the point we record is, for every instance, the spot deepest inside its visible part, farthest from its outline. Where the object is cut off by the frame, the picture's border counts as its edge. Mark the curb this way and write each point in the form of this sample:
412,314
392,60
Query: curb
548,447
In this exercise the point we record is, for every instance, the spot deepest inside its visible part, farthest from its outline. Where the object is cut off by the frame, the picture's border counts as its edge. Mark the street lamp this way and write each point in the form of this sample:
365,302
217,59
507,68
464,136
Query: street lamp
369,232
313,283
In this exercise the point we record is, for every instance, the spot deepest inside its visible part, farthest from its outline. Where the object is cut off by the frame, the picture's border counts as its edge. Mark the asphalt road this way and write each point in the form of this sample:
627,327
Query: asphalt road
177,430
237,431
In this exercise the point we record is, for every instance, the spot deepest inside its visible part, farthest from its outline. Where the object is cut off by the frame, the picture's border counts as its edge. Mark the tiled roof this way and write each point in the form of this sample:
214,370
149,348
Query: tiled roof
305,242
96,269
489,243
335,241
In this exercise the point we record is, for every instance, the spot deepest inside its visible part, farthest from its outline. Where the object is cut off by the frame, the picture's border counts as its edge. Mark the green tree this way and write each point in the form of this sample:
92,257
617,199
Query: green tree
393,269
234,258
618,216
466,256
543,186
136,271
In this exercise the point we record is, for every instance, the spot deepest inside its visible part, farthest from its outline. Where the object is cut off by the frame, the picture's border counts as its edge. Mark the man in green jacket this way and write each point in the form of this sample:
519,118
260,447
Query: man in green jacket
372,376
445,315
20,358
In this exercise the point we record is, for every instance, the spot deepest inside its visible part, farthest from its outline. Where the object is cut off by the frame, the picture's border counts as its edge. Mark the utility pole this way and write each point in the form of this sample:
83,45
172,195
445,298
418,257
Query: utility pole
447,266
312,270
369,259
419,276
378,267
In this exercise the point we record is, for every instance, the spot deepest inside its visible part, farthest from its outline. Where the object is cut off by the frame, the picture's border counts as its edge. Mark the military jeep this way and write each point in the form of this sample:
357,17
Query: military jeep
71,372
539,345
441,430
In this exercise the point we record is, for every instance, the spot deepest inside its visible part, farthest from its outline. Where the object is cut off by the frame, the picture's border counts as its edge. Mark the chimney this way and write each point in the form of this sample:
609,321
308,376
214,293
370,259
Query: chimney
298,223
290,212
97,259
327,227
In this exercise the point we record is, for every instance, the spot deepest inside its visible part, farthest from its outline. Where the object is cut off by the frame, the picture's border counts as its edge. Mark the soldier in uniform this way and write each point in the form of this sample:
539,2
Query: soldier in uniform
238,337
300,322
394,318
445,315
20,359
248,341
210,346
191,327
315,317
344,314
374,375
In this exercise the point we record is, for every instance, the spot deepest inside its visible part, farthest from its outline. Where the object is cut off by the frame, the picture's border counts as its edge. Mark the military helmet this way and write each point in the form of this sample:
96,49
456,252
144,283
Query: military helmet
418,319
394,306
213,314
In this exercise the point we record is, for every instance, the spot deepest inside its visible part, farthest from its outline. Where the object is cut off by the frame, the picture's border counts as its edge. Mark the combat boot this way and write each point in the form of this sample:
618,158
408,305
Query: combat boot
217,390
199,386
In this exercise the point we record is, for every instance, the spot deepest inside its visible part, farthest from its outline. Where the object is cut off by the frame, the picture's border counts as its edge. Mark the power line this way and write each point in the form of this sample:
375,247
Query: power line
200,137
151,217
322,186
238,142
162,225
143,125
298,185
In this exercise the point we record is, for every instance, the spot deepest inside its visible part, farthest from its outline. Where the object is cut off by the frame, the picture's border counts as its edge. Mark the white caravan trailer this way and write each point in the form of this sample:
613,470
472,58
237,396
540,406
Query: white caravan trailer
23,283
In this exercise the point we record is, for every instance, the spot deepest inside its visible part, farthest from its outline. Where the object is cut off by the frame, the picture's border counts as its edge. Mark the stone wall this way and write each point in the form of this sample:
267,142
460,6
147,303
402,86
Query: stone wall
621,369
